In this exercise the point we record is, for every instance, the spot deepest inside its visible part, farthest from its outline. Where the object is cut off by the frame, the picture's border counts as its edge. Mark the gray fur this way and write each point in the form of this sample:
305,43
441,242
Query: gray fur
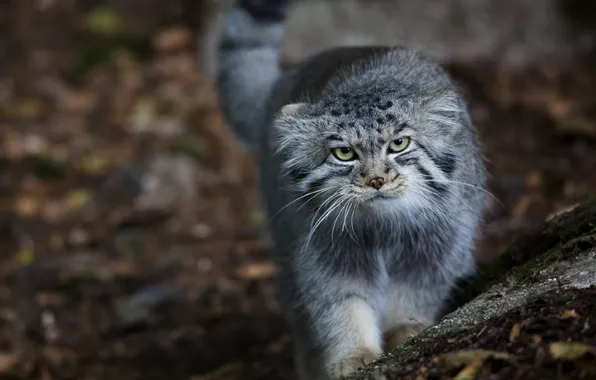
354,269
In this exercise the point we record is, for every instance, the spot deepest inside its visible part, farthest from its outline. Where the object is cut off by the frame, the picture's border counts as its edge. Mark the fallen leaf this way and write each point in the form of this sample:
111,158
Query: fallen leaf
521,207
26,256
457,359
571,350
25,109
514,333
124,268
93,164
471,370
8,361
175,38
257,218
27,206
576,126
189,147
77,102
256,271
34,144
559,108
570,314
104,20
534,179
77,198
200,231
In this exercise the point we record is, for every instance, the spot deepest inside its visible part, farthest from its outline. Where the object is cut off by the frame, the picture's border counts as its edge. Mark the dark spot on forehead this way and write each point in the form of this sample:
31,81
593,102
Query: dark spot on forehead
335,112
390,116
385,106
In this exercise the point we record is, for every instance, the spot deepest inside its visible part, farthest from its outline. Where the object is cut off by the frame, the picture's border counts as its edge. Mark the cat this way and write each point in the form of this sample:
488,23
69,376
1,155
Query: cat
373,179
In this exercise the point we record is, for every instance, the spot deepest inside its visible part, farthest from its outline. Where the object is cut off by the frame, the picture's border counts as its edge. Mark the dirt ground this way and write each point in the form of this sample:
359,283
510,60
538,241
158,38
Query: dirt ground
131,238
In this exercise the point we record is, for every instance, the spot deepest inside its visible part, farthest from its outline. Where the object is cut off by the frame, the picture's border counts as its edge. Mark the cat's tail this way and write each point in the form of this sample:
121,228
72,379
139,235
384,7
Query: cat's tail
248,64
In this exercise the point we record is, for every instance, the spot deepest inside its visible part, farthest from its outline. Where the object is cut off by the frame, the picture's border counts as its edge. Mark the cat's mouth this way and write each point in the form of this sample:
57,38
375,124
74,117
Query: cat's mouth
379,195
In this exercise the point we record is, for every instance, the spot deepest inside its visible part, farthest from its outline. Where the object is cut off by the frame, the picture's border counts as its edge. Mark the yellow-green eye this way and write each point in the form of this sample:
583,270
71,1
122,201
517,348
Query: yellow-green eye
344,153
399,145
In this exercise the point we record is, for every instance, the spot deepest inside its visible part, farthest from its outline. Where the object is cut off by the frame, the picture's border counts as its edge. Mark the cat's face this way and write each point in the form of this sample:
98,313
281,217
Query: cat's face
381,153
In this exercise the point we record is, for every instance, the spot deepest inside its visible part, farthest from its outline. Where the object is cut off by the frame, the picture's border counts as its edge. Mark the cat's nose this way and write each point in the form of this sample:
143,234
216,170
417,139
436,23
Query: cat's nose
376,183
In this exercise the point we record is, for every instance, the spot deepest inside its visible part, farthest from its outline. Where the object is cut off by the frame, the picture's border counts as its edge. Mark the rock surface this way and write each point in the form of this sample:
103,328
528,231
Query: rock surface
510,31
560,256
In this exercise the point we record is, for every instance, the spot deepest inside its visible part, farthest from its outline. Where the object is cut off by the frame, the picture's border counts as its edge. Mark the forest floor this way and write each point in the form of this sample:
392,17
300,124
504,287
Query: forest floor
131,238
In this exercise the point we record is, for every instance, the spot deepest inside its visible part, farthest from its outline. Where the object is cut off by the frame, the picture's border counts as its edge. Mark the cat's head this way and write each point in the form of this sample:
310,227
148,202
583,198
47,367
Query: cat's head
378,149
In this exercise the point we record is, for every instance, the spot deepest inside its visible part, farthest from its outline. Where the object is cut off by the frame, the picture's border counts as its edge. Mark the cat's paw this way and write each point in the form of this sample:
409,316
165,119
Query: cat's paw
341,369
398,334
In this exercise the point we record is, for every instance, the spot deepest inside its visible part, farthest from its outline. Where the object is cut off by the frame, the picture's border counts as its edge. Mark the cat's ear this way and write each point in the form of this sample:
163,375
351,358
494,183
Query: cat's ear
443,107
291,109
441,101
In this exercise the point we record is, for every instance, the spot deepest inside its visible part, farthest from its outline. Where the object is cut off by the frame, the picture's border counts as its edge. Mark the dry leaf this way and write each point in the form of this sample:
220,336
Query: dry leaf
77,102
25,109
27,206
460,358
8,361
570,314
559,108
521,207
571,350
256,271
93,164
124,268
514,333
26,256
471,370
172,39
576,126
78,198
534,179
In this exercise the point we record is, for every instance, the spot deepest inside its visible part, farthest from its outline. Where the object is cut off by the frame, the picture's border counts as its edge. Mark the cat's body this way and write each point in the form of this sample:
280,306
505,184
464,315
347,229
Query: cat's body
373,181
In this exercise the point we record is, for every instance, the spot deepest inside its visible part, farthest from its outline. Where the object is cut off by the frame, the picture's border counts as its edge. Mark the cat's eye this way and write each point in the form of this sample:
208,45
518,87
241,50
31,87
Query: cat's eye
399,145
344,153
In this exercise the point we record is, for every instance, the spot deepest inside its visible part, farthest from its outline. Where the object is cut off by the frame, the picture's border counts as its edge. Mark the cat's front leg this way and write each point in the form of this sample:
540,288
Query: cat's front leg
351,336
408,312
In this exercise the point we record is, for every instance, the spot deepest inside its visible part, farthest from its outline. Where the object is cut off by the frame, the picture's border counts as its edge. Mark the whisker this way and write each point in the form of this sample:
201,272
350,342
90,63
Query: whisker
321,220
469,185
313,193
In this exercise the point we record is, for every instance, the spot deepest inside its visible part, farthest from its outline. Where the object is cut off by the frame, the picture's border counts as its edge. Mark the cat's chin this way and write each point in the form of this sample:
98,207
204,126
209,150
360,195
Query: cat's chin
385,202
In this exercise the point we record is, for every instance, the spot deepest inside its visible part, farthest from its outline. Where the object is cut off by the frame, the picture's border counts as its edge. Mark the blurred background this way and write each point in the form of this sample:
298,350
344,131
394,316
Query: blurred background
131,236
